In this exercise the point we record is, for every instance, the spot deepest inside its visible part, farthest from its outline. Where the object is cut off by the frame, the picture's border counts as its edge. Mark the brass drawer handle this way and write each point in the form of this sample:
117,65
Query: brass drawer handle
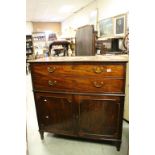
52,83
47,117
69,100
45,100
98,84
51,69
98,70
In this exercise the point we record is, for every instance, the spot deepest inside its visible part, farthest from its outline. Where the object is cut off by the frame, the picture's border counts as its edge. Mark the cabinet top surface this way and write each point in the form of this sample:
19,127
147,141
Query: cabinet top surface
98,58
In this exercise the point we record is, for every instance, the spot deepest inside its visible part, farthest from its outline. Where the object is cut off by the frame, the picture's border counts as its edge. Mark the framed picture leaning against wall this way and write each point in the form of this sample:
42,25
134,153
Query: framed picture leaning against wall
120,25
106,27
113,27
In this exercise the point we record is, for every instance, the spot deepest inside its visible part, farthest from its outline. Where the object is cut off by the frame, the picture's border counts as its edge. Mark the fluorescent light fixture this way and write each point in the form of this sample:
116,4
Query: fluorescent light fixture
66,9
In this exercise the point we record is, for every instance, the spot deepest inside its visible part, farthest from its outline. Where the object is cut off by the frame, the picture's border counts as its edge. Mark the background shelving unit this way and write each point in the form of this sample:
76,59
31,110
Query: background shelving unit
29,45
39,42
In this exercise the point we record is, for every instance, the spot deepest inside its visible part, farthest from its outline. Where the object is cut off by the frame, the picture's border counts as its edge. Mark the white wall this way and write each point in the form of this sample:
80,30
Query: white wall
109,8
29,28
106,8
77,20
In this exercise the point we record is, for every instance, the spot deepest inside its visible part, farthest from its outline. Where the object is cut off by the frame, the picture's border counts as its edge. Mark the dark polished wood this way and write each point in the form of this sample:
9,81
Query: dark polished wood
99,85
85,41
54,83
55,112
80,99
85,84
78,69
92,109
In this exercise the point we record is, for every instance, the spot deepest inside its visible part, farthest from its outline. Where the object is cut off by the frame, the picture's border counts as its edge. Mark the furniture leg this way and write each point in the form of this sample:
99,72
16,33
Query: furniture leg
41,134
118,145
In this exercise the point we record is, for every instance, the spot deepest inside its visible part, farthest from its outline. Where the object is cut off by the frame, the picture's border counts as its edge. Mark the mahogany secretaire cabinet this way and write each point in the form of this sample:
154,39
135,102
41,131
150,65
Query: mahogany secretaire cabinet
80,96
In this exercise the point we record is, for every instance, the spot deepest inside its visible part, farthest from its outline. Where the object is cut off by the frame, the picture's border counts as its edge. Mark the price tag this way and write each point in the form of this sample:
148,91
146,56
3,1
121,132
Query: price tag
109,70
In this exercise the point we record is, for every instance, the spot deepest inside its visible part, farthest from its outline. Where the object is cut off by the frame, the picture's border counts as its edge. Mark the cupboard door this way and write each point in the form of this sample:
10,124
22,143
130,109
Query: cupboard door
99,116
55,113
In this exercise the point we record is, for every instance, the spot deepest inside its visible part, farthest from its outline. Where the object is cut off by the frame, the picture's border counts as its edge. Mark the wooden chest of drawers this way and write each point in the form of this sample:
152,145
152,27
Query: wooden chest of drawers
80,99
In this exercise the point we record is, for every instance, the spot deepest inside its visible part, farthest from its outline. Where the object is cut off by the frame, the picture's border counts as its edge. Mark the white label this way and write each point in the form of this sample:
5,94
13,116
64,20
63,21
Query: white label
109,70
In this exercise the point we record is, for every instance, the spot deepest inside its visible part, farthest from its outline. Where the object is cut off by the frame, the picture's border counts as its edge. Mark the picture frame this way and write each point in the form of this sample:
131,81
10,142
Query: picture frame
106,27
113,27
120,25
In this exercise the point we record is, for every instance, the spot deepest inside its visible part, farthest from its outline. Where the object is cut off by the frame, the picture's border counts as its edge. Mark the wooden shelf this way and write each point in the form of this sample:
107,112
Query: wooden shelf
29,45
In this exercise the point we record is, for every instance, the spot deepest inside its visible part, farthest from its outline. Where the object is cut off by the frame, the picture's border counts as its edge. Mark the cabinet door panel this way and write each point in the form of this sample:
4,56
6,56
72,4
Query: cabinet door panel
55,113
99,116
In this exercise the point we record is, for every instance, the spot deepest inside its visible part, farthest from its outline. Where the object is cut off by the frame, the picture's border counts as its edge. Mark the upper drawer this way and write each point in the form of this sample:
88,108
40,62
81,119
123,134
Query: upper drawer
49,69
97,70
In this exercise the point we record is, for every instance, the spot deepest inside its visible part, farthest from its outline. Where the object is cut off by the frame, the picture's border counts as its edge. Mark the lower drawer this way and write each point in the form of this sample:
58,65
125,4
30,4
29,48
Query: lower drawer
53,83
107,85
85,84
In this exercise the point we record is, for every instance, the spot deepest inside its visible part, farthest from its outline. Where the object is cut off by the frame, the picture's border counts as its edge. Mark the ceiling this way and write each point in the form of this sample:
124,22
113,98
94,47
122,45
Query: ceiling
52,10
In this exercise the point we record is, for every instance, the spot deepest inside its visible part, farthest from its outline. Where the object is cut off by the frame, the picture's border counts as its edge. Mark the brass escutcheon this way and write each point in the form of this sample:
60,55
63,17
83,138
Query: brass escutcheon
51,69
98,70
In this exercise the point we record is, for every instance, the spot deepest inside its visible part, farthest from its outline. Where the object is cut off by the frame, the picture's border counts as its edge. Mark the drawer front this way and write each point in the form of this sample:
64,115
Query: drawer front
97,70
95,78
53,83
100,85
50,70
